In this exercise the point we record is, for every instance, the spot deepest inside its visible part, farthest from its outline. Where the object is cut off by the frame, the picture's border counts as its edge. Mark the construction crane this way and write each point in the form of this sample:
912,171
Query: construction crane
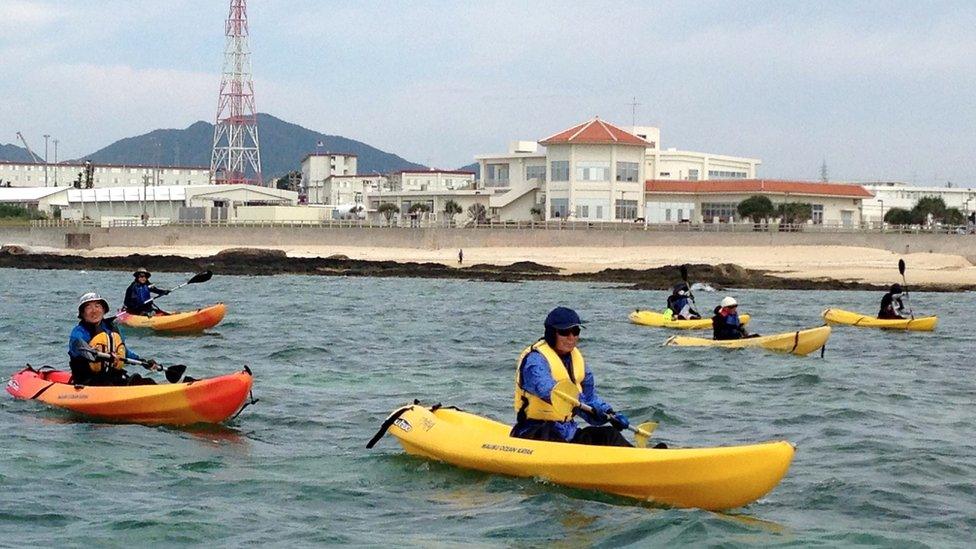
29,151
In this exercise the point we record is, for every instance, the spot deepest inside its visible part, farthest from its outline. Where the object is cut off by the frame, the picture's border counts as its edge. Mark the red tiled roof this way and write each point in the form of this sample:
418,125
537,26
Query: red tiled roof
761,186
454,172
594,132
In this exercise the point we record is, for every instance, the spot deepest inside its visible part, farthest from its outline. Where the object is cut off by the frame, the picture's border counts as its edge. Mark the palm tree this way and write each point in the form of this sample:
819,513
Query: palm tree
478,212
451,209
388,209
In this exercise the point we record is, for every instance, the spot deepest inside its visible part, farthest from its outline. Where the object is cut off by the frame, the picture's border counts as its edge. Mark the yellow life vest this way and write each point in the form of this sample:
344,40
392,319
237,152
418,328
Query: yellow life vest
111,343
534,407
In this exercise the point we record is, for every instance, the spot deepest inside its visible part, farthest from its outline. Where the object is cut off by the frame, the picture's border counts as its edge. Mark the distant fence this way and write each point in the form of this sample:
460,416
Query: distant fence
551,225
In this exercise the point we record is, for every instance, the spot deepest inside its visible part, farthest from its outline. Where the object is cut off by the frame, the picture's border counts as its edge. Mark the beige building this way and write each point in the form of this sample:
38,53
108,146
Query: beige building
668,201
431,180
65,174
318,167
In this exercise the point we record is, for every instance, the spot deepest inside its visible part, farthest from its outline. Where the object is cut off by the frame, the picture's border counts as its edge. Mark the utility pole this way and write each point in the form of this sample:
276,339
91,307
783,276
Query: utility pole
55,162
634,104
46,136
145,185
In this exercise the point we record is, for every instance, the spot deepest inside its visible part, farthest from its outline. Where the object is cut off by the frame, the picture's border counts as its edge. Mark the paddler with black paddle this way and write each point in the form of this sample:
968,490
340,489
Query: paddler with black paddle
138,296
551,373
98,353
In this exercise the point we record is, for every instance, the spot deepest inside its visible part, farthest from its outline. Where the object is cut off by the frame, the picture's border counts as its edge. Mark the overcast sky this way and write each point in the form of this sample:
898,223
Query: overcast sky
881,90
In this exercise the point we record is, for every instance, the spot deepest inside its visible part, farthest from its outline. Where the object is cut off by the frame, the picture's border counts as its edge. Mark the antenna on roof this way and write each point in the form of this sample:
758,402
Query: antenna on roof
633,105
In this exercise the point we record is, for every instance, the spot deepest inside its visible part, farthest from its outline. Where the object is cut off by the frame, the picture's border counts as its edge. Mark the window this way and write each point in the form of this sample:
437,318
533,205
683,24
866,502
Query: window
693,175
626,171
535,172
719,211
626,209
599,212
664,174
496,175
560,170
817,213
726,173
593,171
582,211
558,207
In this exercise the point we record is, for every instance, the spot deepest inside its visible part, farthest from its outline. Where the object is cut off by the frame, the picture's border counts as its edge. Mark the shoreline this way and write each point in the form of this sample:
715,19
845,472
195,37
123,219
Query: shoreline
651,268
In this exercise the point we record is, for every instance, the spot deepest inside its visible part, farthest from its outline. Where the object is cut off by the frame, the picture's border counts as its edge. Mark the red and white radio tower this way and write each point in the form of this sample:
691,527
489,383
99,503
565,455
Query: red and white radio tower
236,156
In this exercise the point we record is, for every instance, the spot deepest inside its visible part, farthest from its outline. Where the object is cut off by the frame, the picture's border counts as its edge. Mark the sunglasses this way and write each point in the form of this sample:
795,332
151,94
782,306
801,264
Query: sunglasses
575,330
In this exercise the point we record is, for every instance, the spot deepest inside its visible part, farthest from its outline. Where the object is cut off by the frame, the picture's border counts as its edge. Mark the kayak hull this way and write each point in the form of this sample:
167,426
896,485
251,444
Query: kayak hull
706,478
658,320
849,318
800,342
211,400
176,323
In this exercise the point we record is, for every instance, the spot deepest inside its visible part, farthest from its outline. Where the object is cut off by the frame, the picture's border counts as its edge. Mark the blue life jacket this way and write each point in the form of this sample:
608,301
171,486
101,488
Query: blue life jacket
136,296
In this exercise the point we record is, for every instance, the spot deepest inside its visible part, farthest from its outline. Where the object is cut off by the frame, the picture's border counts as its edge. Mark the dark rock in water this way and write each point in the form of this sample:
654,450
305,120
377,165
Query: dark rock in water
257,261
250,253
13,249
339,257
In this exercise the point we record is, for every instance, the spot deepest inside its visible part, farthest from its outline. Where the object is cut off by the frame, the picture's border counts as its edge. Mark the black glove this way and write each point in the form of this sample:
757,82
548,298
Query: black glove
599,417
619,421
163,292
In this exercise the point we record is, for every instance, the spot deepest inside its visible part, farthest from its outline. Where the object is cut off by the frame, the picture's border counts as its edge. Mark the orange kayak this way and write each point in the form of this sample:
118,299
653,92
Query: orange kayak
176,323
210,400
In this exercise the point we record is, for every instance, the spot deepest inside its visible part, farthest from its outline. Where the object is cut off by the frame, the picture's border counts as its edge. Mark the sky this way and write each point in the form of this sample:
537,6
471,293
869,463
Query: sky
877,90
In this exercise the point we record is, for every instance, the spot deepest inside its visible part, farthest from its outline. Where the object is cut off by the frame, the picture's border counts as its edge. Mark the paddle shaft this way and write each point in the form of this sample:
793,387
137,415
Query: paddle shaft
195,279
589,409
173,373
684,277
901,269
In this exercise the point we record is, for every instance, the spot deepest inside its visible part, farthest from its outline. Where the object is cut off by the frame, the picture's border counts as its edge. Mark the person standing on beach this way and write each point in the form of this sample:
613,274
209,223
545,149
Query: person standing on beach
138,296
542,365
891,304
460,256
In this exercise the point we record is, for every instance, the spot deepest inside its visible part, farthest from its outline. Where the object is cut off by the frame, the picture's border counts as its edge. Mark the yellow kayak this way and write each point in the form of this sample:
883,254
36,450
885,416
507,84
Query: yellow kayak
848,318
800,342
706,478
176,323
651,318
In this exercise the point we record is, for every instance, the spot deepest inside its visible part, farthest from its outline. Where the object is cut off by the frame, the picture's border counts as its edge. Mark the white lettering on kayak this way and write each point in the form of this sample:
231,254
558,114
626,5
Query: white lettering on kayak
403,424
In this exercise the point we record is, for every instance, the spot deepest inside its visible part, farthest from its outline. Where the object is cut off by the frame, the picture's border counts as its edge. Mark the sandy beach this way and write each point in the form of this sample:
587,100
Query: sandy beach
798,262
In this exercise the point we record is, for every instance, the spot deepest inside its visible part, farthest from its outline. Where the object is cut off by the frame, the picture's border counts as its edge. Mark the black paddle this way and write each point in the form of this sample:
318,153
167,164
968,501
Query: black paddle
173,373
684,276
904,284
195,279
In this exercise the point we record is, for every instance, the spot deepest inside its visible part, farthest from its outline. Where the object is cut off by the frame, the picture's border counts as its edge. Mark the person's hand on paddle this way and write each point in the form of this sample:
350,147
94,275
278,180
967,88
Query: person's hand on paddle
151,364
618,420
598,416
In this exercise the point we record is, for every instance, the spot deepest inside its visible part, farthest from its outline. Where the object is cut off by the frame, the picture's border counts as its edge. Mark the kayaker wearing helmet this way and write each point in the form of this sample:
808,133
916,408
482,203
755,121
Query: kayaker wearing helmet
555,358
95,332
679,303
725,323
891,305
138,296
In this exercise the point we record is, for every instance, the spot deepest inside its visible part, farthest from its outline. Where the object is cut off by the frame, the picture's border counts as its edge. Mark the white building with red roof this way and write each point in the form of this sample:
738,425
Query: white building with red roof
716,201
594,171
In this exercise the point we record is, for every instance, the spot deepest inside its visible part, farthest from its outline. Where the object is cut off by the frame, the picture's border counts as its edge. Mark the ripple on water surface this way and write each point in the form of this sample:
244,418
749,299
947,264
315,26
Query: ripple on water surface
883,422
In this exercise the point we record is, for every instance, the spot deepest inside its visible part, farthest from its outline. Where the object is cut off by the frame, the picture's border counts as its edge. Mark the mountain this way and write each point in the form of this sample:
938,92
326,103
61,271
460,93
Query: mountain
13,153
283,146
473,167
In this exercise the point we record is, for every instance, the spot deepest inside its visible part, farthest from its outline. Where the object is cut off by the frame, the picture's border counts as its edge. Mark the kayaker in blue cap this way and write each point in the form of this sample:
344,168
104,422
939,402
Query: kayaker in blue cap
891,304
138,296
555,358
679,303
95,333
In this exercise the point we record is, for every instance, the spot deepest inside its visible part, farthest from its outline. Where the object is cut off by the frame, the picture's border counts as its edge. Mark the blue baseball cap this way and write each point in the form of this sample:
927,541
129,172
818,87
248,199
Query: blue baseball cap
563,318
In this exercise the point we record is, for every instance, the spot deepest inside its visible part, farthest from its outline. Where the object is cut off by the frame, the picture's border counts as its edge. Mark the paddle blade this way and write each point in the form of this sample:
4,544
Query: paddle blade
200,277
565,397
684,272
642,433
901,267
174,373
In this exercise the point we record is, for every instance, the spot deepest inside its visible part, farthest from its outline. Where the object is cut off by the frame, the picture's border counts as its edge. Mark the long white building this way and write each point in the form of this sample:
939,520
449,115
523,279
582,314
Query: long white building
65,174
891,194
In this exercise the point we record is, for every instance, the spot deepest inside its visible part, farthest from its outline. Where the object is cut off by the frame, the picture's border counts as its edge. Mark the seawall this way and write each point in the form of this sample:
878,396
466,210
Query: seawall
435,238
